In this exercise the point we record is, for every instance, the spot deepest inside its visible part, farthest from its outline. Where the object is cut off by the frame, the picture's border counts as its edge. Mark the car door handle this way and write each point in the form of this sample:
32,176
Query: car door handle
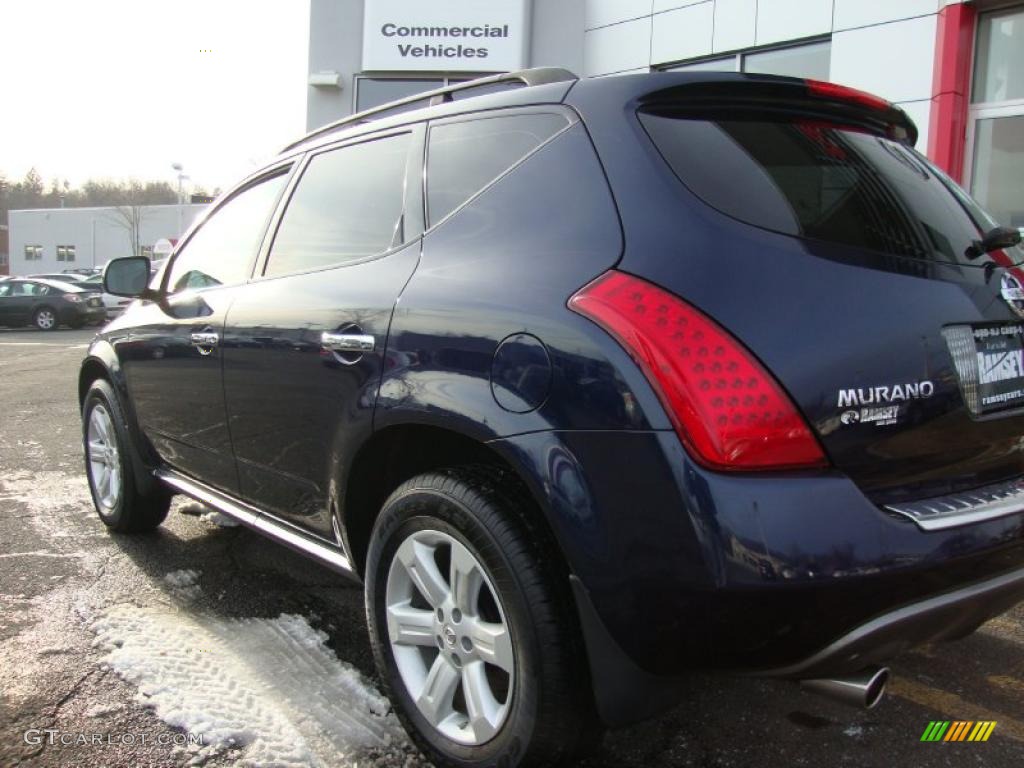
205,339
347,342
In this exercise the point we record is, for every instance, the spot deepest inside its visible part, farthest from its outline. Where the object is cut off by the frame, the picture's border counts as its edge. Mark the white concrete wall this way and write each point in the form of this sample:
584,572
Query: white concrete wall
95,233
882,46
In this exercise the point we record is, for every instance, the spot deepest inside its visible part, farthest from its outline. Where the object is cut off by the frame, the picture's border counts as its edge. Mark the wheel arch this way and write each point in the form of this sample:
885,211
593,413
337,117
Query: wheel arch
398,452
102,363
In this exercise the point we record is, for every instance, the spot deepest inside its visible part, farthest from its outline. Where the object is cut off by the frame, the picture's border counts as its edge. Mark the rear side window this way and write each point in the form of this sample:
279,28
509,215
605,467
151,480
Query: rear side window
347,206
820,181
464,157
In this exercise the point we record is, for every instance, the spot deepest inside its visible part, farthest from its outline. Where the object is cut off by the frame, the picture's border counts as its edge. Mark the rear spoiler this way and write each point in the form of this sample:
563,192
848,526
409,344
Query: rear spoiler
768,96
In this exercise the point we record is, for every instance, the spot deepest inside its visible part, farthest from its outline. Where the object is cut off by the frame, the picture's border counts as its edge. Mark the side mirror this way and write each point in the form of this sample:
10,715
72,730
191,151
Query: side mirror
128,277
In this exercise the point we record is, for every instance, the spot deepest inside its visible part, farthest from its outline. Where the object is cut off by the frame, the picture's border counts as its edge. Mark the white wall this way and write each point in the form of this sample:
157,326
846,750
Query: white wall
85,228
882,46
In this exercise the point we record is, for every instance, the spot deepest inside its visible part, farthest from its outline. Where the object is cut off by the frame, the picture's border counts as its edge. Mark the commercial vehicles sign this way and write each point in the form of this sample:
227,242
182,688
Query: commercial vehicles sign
445,35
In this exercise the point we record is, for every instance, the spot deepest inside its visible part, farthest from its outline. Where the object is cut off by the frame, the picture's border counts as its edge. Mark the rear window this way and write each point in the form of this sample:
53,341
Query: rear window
822,181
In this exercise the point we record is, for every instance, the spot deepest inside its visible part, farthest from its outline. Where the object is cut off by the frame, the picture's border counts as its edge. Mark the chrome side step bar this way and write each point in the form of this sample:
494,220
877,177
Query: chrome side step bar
252,518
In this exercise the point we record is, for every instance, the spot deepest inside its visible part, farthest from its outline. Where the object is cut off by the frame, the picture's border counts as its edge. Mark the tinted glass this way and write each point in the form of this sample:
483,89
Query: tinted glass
27,289
348,205
811,61
999,65
821,182
726,64
376,91
221,252
465,157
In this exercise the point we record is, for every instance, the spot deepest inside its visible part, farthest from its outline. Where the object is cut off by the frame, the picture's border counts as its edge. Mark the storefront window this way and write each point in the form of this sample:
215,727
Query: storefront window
999,66
998,182
374,91
996,137
810,60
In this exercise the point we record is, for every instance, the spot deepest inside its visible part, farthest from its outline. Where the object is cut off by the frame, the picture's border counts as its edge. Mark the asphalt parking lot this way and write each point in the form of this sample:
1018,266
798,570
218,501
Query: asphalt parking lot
64,582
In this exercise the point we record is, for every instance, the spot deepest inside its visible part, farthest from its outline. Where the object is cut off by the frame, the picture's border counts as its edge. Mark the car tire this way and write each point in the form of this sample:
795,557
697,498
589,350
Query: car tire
538,711
45,319
109,466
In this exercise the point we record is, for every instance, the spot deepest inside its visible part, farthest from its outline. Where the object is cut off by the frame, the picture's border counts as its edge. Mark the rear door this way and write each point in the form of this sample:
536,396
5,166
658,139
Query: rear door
172,361
847,263
24,298
304,342
7,310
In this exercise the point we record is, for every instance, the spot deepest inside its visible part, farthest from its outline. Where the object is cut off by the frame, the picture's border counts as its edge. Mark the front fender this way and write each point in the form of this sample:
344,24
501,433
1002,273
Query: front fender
102,362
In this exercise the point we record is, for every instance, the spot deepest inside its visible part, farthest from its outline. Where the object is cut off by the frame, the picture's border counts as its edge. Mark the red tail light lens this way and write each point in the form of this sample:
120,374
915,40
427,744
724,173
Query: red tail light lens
726,408
824,90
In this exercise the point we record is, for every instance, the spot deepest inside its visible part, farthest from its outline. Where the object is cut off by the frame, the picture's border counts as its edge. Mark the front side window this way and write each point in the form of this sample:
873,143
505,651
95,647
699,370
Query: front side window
222,250
464,157
347,206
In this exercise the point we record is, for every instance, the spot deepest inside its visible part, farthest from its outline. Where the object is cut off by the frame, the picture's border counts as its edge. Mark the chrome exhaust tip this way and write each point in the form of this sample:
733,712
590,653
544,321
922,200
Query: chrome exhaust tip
864,689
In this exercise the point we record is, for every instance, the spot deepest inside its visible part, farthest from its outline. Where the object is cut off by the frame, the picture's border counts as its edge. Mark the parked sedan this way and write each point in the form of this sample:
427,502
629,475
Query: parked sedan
48,303
63,277
113,305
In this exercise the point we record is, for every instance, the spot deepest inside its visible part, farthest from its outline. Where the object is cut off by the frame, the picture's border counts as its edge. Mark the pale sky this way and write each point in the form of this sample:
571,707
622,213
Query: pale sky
124,88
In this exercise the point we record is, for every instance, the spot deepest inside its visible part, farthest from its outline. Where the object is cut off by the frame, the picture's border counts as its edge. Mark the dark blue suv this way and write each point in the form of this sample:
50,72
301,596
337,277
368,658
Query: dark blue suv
592,383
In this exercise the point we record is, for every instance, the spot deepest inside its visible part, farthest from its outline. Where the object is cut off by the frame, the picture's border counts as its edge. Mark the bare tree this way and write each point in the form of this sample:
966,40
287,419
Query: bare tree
129,218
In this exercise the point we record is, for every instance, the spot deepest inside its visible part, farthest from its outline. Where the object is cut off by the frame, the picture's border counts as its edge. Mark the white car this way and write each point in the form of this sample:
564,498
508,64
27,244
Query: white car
114,305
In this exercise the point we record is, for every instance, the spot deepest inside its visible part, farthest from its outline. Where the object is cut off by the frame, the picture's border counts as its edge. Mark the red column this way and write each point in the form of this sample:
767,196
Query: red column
951,85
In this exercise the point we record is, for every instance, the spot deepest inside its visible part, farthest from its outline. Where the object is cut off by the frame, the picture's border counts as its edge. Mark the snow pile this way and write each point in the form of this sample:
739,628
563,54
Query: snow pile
183,584
270,688
221,521
206,514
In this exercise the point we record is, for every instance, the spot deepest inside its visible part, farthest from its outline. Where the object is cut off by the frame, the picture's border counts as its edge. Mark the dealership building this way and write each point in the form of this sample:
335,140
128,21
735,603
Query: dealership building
957,68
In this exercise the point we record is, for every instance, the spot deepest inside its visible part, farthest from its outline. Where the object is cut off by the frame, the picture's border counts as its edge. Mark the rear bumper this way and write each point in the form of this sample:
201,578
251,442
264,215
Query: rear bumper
948,616
74,314
790,574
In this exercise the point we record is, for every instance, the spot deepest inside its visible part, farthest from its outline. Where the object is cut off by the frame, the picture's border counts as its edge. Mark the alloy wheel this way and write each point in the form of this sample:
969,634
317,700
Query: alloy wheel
104,459
45,319
449,637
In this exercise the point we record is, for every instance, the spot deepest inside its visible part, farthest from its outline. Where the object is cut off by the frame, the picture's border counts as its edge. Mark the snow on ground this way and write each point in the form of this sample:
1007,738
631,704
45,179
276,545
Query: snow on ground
204,513
222,521
183,584
269,687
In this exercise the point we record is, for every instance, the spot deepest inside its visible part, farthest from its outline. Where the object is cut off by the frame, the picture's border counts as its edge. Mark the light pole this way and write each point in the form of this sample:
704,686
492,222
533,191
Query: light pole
180,169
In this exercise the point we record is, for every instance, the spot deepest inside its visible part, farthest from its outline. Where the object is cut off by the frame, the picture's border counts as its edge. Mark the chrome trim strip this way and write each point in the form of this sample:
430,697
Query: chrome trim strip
964,508
908,613
252,518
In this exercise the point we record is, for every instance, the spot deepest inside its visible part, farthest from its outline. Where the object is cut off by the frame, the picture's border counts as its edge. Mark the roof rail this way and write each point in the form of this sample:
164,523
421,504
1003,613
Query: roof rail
527,77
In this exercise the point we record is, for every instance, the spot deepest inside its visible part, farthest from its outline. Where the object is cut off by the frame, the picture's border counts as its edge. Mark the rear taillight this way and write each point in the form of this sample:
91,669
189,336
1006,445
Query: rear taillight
726,408
833,92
